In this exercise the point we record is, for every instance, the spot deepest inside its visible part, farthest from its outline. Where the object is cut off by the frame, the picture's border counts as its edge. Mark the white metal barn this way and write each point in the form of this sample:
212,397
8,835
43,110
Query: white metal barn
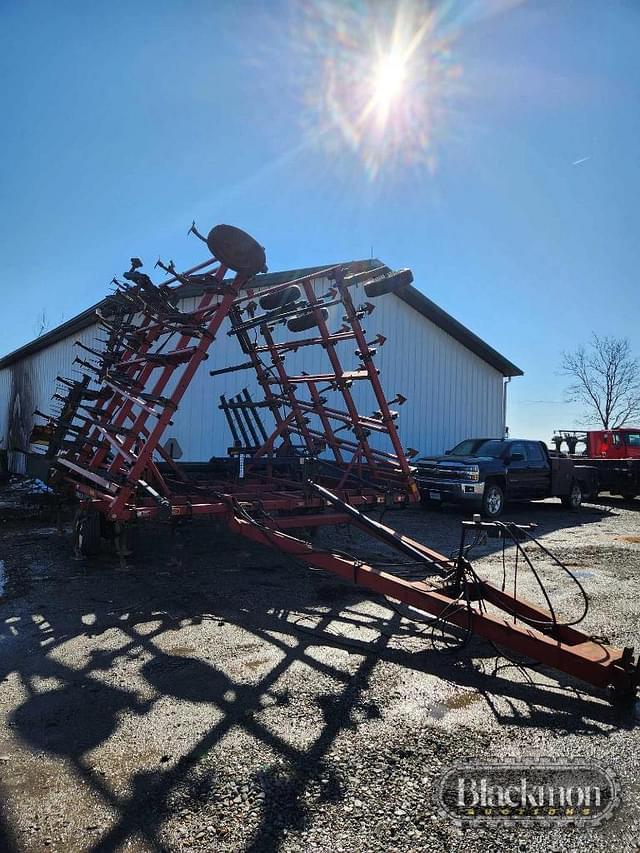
454,382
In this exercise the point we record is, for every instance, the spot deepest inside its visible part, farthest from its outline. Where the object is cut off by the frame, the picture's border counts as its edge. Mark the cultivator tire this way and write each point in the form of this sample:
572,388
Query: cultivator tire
236,249
306,321
278,300
389,283
87,533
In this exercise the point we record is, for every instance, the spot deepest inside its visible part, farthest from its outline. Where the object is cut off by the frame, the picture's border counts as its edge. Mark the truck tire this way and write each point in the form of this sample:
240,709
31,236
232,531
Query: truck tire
574,499
629,496
492,500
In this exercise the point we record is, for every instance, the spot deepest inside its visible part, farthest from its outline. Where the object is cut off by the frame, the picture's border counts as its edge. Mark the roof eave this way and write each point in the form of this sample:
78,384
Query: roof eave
410,295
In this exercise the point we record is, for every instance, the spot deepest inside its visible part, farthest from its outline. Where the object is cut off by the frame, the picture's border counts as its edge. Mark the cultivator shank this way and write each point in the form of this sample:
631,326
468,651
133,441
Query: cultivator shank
309,447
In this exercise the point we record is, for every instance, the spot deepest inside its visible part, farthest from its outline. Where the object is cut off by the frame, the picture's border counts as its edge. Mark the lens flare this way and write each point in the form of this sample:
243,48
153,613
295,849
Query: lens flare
376,79
389,78
368,83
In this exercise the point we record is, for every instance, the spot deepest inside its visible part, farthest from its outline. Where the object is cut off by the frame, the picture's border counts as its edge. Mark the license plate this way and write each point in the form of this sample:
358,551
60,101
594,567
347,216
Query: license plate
434,496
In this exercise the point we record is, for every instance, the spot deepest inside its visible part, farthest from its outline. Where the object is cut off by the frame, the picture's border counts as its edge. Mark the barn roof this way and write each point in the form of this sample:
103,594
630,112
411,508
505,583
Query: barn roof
410,295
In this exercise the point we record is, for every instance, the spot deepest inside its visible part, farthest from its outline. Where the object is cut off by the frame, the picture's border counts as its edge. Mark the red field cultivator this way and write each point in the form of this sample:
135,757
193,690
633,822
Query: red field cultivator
303,455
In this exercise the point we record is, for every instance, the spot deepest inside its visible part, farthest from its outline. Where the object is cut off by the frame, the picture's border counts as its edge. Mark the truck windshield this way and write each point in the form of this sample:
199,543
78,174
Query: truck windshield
479,447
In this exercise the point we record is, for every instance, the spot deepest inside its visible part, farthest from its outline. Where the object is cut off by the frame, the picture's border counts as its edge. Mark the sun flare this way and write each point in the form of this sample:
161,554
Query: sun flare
379,80
389,79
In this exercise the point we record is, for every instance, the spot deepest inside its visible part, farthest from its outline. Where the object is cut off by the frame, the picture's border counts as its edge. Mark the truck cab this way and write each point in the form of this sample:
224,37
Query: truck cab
614,443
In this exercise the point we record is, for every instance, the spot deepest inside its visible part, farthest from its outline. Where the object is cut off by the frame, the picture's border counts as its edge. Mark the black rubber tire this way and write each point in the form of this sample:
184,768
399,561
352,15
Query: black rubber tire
236,249
389,283
492,500
574,499
306,321
278,300
86,533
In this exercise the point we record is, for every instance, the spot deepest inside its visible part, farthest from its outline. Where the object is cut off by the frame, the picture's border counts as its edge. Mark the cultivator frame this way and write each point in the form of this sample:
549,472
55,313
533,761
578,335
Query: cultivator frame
105,442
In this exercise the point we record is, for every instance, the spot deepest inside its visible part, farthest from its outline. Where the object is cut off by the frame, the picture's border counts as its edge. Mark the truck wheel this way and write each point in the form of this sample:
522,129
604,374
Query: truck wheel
574,498
629,496
492,500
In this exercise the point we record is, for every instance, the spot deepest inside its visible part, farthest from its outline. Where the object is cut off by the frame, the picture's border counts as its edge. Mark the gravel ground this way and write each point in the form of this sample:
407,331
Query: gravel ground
219,696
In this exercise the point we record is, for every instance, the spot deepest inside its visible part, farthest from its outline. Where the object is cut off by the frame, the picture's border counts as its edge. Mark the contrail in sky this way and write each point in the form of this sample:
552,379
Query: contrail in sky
581,160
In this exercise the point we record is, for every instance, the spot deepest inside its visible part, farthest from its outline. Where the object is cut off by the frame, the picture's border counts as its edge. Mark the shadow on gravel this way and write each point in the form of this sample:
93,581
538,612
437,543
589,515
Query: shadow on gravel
8,843
81,711
612,502
549,516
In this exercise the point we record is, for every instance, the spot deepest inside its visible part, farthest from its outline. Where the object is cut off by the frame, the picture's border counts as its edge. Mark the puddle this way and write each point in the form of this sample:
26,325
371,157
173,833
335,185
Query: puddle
583,574
455,702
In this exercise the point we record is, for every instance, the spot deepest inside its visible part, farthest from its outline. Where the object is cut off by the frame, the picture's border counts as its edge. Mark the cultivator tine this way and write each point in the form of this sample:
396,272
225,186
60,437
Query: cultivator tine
170,268
251,409
246,365
193,230
224,405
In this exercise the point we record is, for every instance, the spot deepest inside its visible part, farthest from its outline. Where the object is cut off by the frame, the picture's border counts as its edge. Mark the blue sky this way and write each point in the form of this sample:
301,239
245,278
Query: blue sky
124,121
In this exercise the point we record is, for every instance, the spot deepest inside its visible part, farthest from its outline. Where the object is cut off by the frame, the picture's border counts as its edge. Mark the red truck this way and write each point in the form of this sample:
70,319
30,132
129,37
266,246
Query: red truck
614,454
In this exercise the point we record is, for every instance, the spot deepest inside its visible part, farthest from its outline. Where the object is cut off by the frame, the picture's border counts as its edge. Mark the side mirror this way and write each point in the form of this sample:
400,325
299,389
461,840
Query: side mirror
447,453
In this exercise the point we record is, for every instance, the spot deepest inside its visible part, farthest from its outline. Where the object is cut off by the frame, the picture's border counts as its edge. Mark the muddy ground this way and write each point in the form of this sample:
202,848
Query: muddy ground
218,696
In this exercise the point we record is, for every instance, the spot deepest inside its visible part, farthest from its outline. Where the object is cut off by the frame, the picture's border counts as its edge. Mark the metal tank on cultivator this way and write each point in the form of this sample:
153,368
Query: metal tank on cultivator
303,454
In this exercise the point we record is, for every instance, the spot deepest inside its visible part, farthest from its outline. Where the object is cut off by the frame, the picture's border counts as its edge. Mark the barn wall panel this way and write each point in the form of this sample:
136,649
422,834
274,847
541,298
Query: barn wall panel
452,393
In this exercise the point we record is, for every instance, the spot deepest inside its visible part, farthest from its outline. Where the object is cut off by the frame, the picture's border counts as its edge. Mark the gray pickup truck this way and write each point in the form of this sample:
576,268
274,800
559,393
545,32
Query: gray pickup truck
484,473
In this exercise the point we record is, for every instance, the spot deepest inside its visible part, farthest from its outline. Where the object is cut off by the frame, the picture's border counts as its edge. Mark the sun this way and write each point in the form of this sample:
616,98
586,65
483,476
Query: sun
378,79
388,82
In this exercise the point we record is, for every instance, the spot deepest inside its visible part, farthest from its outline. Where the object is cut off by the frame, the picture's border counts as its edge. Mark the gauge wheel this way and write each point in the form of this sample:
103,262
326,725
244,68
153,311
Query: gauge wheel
492,500
280,298
86,533
306,321
388,283
574,498
236,249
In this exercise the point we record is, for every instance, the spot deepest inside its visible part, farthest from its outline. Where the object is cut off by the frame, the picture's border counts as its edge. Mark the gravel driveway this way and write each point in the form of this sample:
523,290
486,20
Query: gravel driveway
218,696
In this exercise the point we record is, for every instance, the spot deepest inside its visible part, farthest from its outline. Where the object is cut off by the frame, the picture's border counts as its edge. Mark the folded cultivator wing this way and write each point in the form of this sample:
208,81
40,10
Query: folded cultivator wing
311,447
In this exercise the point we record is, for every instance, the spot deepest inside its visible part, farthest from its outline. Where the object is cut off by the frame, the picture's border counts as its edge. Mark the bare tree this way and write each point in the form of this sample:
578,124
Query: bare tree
606,380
